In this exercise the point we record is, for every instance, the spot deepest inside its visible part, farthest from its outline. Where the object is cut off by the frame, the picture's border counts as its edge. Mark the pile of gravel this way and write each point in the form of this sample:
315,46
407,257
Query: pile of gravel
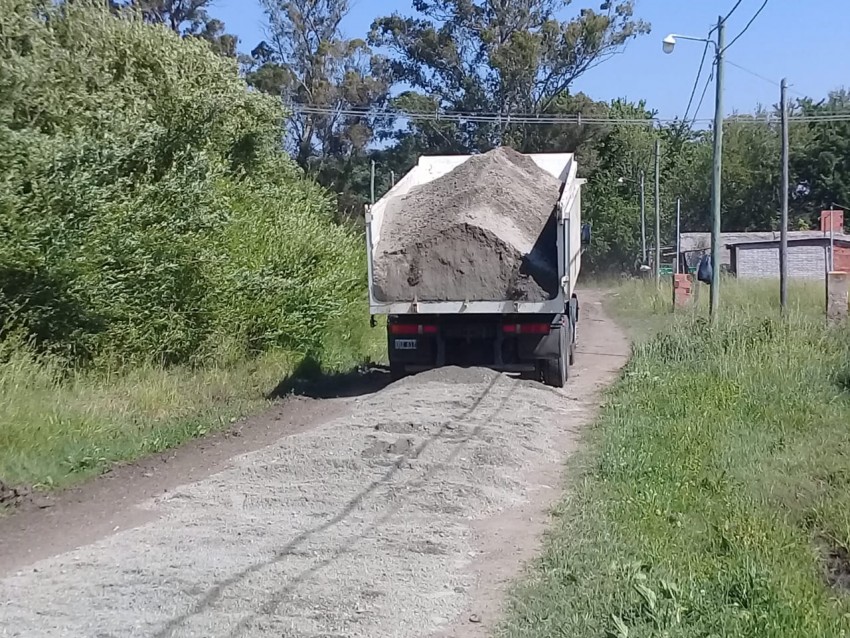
483,232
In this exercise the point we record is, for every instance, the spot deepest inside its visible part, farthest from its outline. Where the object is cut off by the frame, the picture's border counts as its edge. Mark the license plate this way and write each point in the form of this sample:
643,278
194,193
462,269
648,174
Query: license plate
405,344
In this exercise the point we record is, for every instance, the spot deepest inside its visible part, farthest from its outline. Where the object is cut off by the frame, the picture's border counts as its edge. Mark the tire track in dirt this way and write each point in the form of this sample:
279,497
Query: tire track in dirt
270,607
401,518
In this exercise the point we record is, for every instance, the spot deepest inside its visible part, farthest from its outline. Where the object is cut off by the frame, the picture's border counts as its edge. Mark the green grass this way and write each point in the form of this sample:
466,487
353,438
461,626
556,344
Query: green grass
714,491
640,305
57,429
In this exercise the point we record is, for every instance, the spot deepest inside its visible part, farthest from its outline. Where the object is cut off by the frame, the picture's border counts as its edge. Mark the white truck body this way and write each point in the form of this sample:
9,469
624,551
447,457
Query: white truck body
568,211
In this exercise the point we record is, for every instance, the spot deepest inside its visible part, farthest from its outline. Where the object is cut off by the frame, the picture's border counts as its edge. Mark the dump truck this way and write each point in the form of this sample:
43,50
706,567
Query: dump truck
473,259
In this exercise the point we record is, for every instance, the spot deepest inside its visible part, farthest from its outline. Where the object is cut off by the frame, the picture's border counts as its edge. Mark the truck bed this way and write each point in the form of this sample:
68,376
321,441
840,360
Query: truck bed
567,209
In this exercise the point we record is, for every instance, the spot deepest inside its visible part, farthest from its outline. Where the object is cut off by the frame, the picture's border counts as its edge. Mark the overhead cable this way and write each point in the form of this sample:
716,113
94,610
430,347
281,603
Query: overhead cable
546,119
749,24
696,83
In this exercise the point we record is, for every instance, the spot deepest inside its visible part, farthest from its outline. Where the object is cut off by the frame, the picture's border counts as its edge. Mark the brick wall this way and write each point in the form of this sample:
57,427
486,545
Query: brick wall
841,260
804,262
834,217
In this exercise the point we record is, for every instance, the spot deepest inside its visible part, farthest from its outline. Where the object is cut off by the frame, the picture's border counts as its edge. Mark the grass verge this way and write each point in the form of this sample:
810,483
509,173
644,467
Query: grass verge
713,497
57,429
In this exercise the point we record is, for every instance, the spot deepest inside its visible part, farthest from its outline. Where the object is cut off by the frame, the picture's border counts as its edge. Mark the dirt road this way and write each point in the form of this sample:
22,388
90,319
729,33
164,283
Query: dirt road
403,514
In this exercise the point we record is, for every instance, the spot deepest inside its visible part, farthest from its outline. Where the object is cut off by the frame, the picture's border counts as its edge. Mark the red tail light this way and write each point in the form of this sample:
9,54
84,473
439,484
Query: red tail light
411,329
527,328
404,329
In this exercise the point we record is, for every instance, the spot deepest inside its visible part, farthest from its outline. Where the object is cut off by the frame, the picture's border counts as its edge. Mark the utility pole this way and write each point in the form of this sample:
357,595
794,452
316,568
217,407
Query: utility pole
642,219
831,240
658,212
716,175
783,228
678,233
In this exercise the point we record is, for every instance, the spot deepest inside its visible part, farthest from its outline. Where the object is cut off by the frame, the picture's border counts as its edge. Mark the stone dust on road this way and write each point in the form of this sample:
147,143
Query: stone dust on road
404,517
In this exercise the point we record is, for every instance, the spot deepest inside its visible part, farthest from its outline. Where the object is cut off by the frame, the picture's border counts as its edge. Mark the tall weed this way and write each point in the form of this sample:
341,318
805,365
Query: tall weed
713,496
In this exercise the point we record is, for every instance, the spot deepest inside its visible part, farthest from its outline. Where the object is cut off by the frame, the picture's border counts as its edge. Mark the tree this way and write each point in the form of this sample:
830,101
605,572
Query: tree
189,18
147,213
620,152
751,175
500,56
821,155
329,82
176,14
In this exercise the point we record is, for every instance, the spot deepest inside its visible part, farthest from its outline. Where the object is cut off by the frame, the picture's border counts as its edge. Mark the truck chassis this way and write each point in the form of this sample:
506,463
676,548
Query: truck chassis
539,344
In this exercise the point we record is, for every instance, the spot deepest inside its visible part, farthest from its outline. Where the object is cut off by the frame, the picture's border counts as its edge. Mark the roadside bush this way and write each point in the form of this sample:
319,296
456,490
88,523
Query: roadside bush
146,211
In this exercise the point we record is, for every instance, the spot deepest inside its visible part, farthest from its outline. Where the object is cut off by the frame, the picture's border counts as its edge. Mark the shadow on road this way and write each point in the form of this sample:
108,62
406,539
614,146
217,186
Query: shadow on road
308,380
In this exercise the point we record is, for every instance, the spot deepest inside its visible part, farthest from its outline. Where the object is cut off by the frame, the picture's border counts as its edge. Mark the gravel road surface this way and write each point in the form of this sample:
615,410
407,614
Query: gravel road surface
402,515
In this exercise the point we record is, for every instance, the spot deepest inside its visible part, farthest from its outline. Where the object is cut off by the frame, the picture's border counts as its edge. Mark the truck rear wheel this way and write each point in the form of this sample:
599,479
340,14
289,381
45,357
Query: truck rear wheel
397,371
555,372
572,346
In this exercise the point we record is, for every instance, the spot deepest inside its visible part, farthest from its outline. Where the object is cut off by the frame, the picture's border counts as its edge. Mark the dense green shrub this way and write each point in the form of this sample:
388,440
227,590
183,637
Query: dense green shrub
146,211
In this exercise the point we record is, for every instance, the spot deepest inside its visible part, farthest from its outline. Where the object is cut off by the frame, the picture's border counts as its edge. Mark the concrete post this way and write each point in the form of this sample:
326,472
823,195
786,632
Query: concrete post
837,296
716,172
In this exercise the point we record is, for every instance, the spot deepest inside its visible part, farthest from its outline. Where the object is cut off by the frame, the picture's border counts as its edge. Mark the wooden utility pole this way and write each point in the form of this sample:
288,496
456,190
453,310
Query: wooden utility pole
716,170
783,228
678,233
642,220
657,212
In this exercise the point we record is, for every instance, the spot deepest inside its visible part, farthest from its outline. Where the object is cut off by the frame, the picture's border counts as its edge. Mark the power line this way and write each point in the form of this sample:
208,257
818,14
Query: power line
749,24
753,73
702,61
762,77
732,10
534,118
696,81
519,118
702,97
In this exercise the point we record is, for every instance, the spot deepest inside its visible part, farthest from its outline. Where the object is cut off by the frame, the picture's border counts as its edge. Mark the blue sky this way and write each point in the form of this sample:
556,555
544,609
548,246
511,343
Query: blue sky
797,39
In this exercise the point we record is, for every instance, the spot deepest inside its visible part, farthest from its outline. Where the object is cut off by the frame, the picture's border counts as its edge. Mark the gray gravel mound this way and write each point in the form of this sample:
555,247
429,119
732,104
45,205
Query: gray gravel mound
482,232
358,528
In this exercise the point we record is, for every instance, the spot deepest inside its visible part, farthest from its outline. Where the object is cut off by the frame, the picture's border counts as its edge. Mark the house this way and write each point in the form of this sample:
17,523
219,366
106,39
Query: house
807,257
756,254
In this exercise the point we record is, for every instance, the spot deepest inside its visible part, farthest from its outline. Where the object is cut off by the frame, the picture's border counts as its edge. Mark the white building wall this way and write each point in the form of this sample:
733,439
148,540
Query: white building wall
804,262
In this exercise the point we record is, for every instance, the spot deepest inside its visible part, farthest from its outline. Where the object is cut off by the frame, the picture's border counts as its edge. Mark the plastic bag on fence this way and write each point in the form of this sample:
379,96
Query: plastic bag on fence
704,270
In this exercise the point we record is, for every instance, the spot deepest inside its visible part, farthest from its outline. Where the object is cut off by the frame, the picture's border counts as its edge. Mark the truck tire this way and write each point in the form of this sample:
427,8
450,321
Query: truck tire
573,327
397,371
555,372
573,345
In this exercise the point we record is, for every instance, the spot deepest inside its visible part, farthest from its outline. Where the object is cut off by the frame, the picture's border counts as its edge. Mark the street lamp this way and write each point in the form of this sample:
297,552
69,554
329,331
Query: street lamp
668,44
623,180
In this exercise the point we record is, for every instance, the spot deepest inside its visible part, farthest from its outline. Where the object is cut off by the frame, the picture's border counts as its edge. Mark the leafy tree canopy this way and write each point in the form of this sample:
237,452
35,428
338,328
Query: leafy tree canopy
190,18
500,56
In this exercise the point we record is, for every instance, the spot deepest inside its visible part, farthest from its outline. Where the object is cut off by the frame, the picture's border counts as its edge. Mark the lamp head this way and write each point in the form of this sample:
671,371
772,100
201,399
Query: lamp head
669,43
621,180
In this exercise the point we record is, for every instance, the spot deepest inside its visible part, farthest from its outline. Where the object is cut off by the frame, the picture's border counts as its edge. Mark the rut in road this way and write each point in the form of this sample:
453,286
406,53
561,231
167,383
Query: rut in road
364,526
